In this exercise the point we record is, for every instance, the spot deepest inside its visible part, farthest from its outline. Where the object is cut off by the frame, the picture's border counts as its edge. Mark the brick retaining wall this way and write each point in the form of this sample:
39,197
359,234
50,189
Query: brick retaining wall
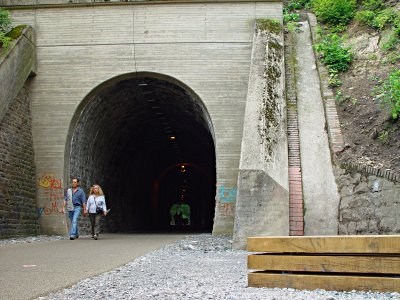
18,216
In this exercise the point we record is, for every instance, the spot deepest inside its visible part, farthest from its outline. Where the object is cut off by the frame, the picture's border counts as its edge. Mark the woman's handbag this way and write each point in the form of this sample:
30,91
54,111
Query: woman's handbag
99,209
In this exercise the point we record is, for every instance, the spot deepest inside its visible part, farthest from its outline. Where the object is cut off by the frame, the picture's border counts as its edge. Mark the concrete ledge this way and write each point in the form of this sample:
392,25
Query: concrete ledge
16,65
332,118
25,4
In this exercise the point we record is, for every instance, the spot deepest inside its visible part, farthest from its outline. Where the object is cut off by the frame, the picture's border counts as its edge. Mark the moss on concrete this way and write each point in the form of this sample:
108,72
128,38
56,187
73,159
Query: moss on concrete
270,111
270,25
16,32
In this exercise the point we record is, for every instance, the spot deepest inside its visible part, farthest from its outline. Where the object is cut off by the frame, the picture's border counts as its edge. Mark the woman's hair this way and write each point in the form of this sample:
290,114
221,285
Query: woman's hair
91,192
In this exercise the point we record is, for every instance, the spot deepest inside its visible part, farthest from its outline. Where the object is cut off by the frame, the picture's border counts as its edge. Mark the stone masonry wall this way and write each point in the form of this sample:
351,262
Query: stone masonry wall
369,204
18,216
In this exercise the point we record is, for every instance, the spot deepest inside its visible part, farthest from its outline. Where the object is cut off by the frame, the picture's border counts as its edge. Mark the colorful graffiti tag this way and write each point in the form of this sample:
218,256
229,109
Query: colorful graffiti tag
51,194
227,200
226,195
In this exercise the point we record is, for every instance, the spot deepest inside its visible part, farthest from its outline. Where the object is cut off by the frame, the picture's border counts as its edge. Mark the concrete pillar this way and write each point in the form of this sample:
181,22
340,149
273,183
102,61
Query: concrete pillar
262,206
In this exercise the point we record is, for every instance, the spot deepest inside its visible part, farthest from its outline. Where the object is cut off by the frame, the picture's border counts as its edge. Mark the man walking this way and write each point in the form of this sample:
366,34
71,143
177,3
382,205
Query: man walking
75,200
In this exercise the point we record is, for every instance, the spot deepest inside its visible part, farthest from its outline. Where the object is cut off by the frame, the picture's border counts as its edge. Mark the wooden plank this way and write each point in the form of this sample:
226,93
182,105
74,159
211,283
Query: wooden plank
327,282
318,263
326,244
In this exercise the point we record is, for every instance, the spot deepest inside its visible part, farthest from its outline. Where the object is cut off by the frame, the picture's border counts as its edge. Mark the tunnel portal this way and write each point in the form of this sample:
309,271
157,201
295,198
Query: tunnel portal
147,140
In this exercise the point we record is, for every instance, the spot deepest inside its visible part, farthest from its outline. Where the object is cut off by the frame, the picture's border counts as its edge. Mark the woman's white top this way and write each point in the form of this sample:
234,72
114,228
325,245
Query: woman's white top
93,201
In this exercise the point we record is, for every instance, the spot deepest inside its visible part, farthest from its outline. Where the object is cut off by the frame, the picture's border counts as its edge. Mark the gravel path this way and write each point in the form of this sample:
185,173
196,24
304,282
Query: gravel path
198,267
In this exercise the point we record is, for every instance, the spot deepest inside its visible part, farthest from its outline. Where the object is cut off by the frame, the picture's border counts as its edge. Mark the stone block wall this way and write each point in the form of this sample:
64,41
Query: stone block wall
18,216
369,204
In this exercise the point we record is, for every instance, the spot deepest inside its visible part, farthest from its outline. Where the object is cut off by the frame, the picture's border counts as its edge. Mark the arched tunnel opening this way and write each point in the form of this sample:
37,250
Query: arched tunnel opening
147,140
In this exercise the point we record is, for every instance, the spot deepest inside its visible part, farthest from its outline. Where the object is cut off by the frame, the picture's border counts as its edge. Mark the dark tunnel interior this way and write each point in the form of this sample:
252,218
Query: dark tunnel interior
148,142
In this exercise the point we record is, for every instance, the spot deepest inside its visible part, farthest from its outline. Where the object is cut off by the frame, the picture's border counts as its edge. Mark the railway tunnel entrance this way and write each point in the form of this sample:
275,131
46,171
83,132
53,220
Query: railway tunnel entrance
148,141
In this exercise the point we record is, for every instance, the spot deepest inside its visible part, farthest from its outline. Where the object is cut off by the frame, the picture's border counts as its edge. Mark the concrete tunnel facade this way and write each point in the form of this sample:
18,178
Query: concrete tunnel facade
93,114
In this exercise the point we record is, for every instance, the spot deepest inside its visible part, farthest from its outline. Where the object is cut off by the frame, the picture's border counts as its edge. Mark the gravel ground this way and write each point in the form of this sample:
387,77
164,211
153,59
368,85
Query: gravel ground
197,267
32,239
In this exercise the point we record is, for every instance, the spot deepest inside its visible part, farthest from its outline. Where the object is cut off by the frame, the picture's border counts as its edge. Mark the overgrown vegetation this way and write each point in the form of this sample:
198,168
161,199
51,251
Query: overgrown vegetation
291,13
5,27
375,14
7,32
372,134
334,12
388,93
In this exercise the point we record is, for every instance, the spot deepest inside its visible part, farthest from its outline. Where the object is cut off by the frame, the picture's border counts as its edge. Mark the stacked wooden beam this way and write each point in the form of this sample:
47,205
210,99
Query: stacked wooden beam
342,263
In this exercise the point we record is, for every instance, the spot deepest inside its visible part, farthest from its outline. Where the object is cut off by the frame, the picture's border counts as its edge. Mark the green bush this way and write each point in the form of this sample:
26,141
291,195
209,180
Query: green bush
297,4
334,12
384,18
366,17
373,5
4,40
290,17
336,56
5,21
389,93
5,26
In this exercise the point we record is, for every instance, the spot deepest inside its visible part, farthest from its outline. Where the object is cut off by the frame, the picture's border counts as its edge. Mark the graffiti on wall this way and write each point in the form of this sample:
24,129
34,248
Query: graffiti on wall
227,200
226,209
50,195
226,195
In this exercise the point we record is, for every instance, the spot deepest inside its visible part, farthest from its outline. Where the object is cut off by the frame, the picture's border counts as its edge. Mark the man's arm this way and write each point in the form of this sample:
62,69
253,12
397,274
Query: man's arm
84,203
65,201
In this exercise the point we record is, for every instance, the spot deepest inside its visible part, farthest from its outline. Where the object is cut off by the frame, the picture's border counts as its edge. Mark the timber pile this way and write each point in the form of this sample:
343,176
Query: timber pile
341,263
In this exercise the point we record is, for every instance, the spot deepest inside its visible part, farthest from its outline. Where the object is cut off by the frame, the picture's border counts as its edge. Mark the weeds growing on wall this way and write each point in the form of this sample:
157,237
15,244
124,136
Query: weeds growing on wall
388,93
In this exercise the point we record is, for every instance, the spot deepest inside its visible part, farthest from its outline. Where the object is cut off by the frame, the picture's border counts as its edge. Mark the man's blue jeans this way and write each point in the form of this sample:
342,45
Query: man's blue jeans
73,216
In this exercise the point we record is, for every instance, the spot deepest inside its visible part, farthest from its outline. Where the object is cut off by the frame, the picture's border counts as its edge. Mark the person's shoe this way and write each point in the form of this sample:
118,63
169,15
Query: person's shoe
96,236
77,237
92,237
71,238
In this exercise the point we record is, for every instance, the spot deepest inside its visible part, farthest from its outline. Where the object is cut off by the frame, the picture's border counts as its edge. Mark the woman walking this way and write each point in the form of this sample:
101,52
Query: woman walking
96,207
